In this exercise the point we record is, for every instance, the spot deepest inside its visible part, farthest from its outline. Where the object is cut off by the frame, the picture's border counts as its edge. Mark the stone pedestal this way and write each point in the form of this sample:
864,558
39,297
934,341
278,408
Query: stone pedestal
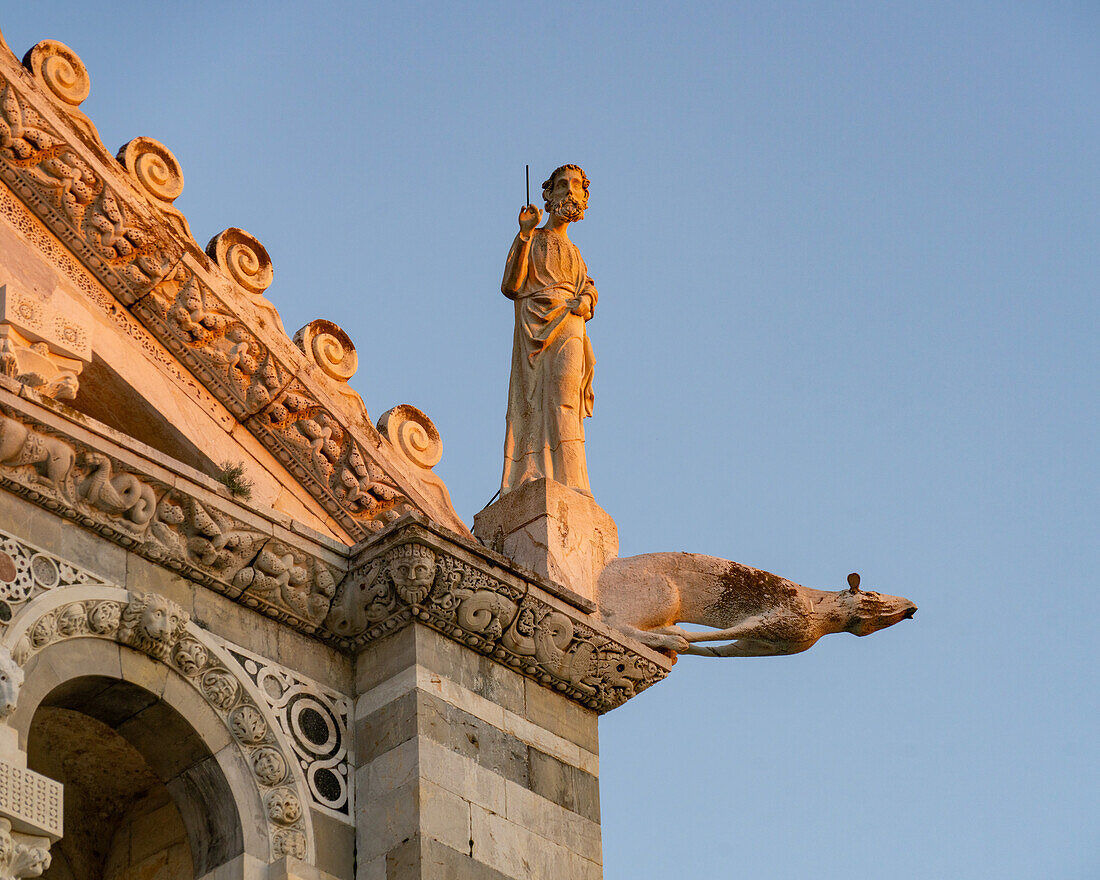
552,530
467,769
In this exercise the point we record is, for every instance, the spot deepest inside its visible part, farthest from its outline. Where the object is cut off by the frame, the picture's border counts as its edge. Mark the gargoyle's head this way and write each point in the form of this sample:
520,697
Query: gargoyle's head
869,611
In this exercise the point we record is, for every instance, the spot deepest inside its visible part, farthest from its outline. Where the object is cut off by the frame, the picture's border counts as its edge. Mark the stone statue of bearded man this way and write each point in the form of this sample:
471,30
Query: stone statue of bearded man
550,391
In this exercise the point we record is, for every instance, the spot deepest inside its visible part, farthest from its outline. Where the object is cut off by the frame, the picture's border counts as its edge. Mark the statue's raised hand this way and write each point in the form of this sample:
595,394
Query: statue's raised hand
529,217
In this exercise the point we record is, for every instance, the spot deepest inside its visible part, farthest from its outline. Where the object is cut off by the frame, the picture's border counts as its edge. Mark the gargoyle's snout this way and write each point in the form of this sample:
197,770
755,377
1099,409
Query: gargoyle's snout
877,611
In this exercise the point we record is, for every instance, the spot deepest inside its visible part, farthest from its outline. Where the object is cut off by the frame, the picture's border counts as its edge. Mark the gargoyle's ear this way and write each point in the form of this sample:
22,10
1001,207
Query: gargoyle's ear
853,582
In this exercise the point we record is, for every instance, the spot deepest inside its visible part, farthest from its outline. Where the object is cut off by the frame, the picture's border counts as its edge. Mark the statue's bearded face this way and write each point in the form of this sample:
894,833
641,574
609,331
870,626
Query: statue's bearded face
566,197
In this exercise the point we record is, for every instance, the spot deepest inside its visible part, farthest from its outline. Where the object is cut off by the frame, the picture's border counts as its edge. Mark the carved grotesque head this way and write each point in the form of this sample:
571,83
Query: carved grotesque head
152,623
72,620
412,567
565,193
269,766
219,688
11,680
284,807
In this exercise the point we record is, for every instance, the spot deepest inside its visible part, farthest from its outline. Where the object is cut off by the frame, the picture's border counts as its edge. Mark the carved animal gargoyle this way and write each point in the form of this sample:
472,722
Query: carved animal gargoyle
755,612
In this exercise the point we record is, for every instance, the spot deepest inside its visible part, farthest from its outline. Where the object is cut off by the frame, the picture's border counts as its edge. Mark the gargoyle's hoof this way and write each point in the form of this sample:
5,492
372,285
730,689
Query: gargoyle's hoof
666,639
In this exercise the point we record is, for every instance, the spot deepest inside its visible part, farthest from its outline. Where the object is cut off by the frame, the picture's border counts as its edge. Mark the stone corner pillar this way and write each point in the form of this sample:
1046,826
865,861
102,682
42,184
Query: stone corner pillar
467,769
552,530
478,692
30,812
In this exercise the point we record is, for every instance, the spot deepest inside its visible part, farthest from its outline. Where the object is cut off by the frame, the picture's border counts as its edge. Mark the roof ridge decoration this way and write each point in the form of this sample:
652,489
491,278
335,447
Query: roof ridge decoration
207,306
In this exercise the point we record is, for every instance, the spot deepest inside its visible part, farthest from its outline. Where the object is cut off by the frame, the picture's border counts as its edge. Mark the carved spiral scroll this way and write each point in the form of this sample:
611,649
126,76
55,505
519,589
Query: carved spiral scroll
243,258
414,435
60,70
154,167
330,348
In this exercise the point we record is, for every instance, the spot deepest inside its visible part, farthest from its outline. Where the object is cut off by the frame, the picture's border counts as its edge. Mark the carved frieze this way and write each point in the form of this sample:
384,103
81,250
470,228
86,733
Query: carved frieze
282,576
317,447
414,574
162,522
111,234
199,328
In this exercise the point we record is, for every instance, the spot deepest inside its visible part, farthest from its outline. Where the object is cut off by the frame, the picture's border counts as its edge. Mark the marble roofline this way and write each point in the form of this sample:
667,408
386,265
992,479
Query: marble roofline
114,213
348,596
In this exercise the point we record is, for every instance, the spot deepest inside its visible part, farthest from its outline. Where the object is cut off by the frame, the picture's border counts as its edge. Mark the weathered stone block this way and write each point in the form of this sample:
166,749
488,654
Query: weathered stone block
385,819
552,530
386,728
444,815
382,660
335,844
562,716
426,858
552,822
567,786
473,738
479,674
462,776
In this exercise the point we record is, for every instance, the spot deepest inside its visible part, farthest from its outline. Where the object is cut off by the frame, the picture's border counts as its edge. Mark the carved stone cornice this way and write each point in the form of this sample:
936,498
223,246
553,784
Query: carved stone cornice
115,214
419,572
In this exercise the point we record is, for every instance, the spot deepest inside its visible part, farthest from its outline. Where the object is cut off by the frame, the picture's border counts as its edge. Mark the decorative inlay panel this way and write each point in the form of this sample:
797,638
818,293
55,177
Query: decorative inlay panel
315,721
26,571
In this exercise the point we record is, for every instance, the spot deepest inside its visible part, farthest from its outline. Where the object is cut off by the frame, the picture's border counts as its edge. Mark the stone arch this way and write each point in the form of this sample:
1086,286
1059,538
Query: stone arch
80,635
113,743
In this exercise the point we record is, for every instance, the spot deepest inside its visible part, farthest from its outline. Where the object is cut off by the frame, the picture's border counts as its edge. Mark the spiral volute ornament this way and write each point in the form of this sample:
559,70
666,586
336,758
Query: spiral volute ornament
413,434
330,348
154,167
60,70
243,258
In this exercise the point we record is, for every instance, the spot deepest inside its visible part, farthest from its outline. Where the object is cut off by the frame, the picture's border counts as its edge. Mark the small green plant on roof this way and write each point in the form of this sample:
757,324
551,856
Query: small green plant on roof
232,477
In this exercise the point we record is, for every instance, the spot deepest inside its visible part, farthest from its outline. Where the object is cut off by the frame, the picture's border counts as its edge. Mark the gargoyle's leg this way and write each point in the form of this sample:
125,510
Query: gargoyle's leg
744,628
747,648
667,638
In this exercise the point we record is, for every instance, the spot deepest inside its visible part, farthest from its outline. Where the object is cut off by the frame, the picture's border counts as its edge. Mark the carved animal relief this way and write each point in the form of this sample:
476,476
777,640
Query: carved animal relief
116,214
152,623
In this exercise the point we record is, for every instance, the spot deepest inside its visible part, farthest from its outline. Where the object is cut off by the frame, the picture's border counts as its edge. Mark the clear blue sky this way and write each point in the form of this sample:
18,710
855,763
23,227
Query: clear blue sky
848,258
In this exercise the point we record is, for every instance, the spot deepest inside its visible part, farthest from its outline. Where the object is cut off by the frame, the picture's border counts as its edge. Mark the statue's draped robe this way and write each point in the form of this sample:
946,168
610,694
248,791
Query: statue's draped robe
550,391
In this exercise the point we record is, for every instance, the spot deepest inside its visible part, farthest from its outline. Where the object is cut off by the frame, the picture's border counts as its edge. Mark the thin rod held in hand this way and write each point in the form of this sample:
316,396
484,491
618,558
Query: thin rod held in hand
528,167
